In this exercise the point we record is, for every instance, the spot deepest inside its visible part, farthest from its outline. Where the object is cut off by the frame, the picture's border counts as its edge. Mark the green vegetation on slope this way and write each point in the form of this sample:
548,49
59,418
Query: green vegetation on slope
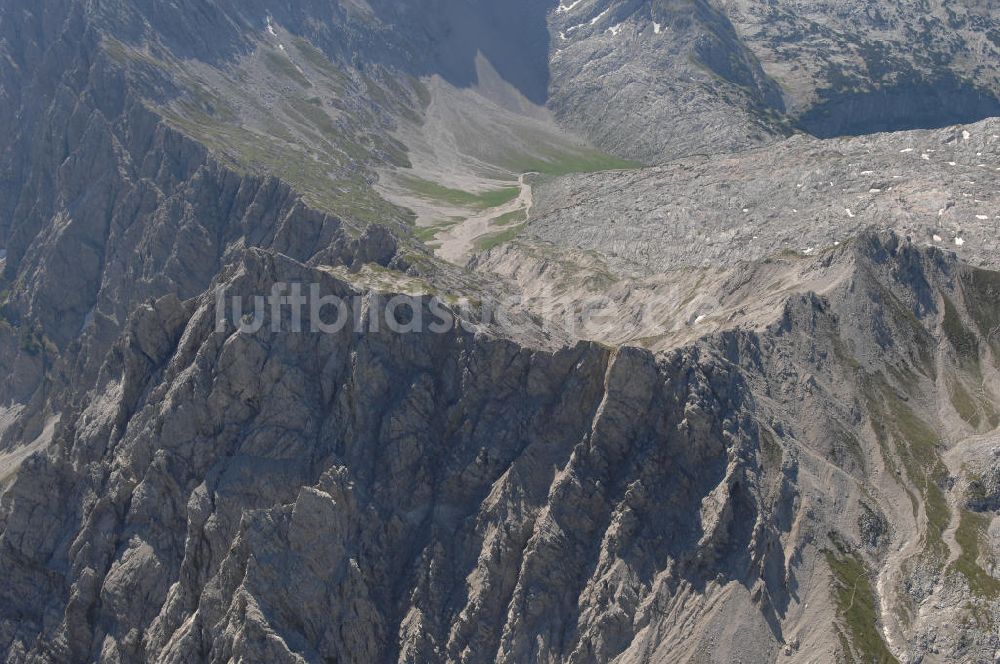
963,403
459,198
970,533
429,233
304,138
915,444
310,172
281,66
515,217
487,242
855,601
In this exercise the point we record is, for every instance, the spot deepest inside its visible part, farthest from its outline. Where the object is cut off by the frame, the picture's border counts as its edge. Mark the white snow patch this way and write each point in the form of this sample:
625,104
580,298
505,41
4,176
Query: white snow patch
270,27
906,150
849,213
699,319
938,238
567,8
281,46
597,18
966,135
874,191
867,172
982,217
941,212
959,241
615,29
657,28
951,163
925,157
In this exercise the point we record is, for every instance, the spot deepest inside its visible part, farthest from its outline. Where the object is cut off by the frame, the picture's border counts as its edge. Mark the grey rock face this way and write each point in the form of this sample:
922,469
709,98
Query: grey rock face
801,196
649,80
356,515
381,497
175,492
984,492
658,79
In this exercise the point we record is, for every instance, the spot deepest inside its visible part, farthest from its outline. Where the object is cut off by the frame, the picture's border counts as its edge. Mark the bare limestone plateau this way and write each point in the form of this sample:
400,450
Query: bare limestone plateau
743,405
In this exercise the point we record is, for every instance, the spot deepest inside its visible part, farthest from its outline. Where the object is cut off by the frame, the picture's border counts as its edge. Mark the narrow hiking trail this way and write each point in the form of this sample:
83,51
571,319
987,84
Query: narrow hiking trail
458,243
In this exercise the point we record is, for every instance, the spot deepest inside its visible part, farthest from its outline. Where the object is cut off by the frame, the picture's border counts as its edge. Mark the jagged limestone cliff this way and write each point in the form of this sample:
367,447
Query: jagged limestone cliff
808,477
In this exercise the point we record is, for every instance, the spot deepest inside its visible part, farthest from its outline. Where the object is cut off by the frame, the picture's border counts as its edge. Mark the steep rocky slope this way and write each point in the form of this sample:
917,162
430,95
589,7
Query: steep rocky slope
428,497
656,79
800,466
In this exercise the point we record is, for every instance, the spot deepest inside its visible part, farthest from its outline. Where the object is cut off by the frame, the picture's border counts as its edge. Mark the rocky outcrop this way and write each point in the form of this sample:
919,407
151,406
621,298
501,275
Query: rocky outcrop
438,497
801,197
109,208
285,496
174,490
659,79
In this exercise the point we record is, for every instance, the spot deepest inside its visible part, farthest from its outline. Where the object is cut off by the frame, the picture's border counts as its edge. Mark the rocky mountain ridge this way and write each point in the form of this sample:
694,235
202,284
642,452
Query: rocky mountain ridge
803,470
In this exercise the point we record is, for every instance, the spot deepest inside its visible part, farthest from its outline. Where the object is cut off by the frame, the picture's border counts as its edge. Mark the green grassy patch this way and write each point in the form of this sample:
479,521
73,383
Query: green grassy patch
459,198
311,111
311,173
308,139
915,444
318,61
487,242
558,162
127,55
515,217
856,606
970,533
964,404
281,66
428,233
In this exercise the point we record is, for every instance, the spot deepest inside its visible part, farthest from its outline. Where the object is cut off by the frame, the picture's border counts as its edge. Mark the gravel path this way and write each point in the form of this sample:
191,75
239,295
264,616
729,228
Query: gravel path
458,243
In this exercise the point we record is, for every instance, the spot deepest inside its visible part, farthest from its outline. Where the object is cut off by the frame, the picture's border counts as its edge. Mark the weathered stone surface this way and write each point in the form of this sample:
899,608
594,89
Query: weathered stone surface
172,491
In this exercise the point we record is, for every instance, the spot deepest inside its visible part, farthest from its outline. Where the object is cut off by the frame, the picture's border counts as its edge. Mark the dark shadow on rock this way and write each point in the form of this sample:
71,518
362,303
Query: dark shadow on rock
512,35
418,37
914,104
